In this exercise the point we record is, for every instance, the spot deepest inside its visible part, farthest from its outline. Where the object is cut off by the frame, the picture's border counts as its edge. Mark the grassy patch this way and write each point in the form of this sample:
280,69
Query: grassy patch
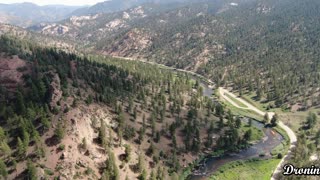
295,120
243,112
263,106
281,148
249,170
250,99
238,111
257,134
240,104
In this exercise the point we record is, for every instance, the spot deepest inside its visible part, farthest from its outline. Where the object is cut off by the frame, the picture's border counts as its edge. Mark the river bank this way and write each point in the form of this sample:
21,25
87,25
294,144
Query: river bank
260,150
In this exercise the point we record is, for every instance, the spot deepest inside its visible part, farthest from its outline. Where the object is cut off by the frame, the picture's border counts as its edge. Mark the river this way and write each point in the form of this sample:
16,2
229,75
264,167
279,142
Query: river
264,147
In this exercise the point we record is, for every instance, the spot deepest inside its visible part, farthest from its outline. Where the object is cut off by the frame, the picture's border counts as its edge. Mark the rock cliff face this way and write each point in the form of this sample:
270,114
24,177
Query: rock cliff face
12,70
55,91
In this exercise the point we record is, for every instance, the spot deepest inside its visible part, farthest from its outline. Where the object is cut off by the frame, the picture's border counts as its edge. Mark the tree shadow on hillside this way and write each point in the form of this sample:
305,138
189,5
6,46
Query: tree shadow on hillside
22,175
52,141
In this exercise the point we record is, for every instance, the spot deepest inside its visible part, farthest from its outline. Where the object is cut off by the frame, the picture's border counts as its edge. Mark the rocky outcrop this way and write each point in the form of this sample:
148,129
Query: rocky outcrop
55,91
12,71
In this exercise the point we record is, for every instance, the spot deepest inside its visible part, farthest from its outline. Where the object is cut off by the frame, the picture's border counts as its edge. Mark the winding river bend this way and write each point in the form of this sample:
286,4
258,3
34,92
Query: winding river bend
209,165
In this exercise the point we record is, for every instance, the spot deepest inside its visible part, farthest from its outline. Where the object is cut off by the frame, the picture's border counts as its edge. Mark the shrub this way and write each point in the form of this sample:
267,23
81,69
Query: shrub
61,147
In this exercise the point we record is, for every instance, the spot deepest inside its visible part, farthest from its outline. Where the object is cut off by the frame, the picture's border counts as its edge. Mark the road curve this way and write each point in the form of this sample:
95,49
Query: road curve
291,134
210,83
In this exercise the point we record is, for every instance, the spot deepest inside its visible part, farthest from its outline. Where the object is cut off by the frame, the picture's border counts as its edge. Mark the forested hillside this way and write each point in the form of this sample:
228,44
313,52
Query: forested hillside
71,107
62,115
268,48
40,39
273,52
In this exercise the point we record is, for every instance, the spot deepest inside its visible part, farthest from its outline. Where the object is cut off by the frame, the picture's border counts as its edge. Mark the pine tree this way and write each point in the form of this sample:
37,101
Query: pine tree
42,90
121,120
153,176
140,164
2,134
135,113
274,120
111,171
116,173
219,110
5,149
31,171
127,152
102,134
162,114
163,173
120,137
230,116
266,118
84,143
174,176
141,134
151,149
20,106
35,93
238,122
45,122
39,150
26,138
247,136
153,127
105,175
209,141
144,126
14,165
158,137
220,124
175,161
143,175
311,120
21,149
130,105
110,143
174,141
211,128
3,169
59,132
159,173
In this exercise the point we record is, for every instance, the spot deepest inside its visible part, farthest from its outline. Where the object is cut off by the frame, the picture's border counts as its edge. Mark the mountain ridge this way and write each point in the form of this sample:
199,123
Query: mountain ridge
26,14
112,6
215,38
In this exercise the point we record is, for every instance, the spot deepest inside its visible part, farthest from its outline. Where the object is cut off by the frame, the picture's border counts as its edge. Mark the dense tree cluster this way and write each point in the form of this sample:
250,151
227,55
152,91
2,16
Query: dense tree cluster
149,103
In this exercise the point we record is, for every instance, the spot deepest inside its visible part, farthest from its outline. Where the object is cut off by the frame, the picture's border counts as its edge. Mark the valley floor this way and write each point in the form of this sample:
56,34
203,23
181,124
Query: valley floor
242,104
225,94
249,170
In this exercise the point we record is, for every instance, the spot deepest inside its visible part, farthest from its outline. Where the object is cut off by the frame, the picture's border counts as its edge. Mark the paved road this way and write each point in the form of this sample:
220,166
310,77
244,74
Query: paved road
291,134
